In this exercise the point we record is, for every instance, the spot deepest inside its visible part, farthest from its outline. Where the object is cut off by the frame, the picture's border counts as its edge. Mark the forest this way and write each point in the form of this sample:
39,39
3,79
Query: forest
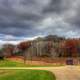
51,46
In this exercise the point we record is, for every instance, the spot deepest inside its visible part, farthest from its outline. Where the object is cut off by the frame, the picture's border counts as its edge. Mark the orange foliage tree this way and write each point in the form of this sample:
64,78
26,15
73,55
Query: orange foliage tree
71,48
23,46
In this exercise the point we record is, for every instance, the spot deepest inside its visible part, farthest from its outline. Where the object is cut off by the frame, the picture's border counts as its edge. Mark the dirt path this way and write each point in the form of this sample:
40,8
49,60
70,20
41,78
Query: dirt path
61,73
67,73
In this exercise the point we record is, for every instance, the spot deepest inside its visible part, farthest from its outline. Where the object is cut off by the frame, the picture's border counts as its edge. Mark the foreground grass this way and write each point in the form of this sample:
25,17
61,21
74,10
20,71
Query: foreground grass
26,75
8,63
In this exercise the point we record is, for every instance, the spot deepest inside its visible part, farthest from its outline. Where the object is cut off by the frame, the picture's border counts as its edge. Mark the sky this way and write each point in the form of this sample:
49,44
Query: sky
27,19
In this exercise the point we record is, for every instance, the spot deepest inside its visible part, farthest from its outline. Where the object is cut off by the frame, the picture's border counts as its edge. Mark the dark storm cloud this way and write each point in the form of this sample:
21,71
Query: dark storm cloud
16,18
64,17
53,7
37,17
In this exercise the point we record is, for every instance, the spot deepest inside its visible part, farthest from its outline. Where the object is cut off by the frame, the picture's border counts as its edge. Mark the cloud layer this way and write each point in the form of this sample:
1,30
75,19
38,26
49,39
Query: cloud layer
29,18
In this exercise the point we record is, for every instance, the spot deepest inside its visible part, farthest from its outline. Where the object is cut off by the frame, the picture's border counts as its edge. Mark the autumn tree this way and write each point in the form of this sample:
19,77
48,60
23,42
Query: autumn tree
71,48
23,46
8,50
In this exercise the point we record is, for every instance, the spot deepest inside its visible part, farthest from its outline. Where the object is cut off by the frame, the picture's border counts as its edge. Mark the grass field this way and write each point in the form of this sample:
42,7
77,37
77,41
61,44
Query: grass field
8,63
26,75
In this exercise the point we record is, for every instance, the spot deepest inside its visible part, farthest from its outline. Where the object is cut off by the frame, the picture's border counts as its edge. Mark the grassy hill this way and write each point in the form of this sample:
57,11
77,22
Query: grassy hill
26,75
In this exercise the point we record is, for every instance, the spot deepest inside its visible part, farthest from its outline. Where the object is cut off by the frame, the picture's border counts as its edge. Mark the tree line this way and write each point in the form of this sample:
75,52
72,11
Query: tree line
50,46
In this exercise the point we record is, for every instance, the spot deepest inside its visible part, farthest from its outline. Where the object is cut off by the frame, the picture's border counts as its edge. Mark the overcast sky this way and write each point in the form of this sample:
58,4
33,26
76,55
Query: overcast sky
27,19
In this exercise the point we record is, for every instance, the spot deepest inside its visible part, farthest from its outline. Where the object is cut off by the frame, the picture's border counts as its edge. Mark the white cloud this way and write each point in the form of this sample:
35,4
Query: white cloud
9,37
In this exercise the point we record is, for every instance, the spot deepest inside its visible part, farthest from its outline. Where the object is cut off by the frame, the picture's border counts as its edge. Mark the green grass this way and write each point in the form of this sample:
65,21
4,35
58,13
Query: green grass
26,75
8,63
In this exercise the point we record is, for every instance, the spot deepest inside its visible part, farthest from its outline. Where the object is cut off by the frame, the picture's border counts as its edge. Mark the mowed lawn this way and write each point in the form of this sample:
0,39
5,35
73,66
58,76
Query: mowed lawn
9,63
26,75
